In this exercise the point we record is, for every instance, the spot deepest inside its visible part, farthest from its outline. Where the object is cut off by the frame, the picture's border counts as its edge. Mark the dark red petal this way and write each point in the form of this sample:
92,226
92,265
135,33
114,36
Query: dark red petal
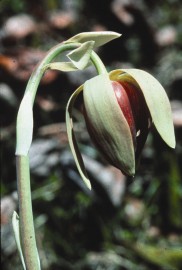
124,103
141,115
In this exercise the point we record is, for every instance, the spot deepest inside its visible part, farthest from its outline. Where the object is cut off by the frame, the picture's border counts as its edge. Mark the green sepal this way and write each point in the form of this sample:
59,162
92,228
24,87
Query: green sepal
100,38
110,126
155,97
16,229
24,126
72,139
80,57
62,66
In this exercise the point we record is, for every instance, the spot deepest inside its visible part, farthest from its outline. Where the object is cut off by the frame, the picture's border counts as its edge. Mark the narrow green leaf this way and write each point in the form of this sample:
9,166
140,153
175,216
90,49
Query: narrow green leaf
80,57
157,102
71,137
62,66
164,258
110,126
100,38
24,126
16,229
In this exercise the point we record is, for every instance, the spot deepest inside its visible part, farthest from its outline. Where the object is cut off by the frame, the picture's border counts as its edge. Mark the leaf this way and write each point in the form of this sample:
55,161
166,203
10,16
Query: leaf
80,57
100,38
24,126
71,137
167,258
156,99
16,229
109,125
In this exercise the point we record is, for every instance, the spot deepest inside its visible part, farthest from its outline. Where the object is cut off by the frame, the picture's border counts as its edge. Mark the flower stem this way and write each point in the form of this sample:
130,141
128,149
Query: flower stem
53,53
27,233
100,67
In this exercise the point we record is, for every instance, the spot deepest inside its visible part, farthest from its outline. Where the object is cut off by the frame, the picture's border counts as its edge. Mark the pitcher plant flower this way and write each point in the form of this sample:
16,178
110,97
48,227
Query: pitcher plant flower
119,109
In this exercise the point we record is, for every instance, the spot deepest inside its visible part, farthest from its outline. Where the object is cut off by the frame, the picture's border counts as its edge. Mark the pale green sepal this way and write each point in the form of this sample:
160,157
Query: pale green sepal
80,57
24,126
72,140
110,126
157,102
62,66
100,38
16,229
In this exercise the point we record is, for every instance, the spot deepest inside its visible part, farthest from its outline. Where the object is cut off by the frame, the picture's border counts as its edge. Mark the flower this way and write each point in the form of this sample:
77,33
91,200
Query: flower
119,110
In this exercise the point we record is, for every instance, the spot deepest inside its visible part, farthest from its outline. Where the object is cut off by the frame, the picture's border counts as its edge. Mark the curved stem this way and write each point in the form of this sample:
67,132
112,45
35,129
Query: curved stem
53,53
27,233
100,67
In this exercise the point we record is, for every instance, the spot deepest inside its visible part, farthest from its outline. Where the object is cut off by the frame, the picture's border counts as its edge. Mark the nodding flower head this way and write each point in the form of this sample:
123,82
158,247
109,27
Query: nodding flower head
119,110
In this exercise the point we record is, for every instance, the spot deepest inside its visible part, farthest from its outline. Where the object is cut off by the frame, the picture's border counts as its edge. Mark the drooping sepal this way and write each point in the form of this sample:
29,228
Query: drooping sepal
62,66
99,37
72,139
155,98
107,125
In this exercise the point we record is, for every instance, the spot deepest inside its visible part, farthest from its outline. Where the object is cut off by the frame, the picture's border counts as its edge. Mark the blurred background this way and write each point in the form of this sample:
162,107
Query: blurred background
123,223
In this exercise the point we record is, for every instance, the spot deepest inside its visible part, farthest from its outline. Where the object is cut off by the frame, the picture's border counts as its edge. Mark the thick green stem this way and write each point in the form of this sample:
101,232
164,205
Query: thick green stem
27,234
